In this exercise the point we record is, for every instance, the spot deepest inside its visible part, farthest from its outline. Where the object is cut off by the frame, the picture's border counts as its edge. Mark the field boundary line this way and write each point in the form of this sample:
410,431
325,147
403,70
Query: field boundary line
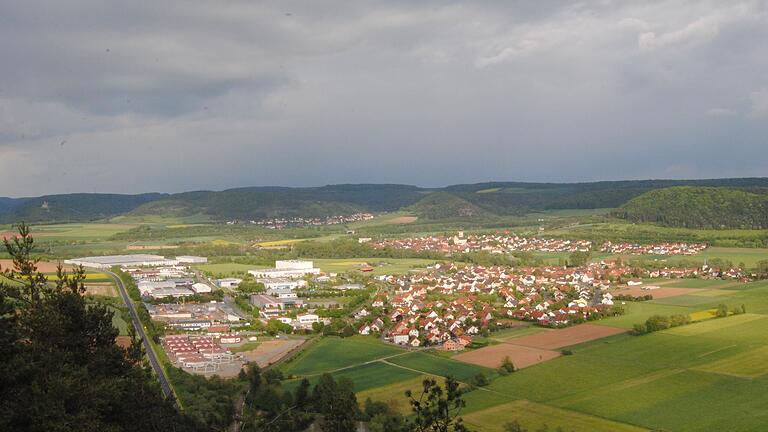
442,376
717,350
359,364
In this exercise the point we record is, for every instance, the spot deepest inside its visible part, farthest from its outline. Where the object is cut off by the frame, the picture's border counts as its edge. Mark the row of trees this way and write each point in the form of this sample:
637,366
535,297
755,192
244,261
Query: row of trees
715,208
660,322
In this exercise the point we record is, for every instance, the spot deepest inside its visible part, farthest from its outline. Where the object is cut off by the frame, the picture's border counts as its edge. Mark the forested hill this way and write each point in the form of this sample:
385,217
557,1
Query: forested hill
71,207
444,205
700,207
457,201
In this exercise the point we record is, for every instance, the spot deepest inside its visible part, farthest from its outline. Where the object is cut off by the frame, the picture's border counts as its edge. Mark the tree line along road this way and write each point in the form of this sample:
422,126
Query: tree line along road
153,360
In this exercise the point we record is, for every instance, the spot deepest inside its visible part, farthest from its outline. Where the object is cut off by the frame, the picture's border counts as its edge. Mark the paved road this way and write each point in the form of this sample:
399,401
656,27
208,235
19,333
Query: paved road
153,361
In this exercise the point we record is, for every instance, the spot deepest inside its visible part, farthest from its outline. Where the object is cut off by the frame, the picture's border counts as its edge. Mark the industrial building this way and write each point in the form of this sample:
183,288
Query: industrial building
292,269
134,260
229,282
188,259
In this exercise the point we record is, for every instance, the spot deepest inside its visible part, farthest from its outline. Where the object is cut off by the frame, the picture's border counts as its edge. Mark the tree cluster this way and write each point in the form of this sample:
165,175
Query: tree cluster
661,322
60,368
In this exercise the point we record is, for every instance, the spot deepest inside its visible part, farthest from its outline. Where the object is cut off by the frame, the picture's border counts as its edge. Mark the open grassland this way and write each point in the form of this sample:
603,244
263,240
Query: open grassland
286,242
79,232
394,394
534,416
171,221
373,375
661,380
365,377
701,283
226,269
332,353
749,364
441,366
733,242
748,256
699,377
380,265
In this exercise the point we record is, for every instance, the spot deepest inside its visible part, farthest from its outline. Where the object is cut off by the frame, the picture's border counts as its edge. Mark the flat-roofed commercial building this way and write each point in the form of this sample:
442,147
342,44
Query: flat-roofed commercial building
135,260
189,259
292,269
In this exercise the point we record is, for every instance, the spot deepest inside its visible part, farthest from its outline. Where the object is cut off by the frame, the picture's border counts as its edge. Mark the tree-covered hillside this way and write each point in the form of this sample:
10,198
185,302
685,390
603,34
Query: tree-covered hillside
699,207
71,207
498,198
444,205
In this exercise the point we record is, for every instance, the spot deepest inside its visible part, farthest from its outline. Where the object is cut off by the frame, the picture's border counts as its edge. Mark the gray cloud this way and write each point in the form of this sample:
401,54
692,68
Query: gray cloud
182,95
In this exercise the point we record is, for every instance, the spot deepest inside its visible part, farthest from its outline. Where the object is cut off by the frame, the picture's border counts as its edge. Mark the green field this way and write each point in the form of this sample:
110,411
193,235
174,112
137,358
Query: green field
79,232
749,257
380,265
161,220
394,394
332,353
697,283
699,377
534,416
365,377
441,366
661,380
374,375
226,269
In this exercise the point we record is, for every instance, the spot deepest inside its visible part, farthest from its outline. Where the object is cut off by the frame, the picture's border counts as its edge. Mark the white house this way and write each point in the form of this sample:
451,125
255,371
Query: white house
401,339
307,319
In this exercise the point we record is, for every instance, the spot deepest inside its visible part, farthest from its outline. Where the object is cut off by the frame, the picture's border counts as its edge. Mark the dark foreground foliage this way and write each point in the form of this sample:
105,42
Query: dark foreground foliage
60,369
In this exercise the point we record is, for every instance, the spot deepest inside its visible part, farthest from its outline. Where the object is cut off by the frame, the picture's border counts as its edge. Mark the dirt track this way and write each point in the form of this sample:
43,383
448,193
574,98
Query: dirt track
529,350
271,351
567,336
521,356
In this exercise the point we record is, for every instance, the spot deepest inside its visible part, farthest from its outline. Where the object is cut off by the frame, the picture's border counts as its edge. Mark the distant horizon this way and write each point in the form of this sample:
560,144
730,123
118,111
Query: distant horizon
381,184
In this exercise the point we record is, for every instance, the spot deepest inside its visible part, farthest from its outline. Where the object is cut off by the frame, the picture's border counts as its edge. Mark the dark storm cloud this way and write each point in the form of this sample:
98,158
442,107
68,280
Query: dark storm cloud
180,95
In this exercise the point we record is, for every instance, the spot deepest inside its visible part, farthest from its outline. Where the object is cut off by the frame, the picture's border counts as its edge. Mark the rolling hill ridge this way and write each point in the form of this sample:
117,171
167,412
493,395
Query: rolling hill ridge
479,200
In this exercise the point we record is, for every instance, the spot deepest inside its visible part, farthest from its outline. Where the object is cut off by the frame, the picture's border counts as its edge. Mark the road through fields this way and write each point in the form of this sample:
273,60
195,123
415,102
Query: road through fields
153,360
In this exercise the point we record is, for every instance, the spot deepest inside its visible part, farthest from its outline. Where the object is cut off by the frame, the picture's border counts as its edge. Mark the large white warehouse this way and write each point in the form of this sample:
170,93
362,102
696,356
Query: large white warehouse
137,260
287,269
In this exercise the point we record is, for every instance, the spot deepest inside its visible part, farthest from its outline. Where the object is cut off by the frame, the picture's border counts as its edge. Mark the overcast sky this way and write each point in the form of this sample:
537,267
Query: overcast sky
182,95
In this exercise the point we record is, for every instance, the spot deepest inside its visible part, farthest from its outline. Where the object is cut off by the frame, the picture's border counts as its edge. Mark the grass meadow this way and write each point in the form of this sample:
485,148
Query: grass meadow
441,366
332,353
